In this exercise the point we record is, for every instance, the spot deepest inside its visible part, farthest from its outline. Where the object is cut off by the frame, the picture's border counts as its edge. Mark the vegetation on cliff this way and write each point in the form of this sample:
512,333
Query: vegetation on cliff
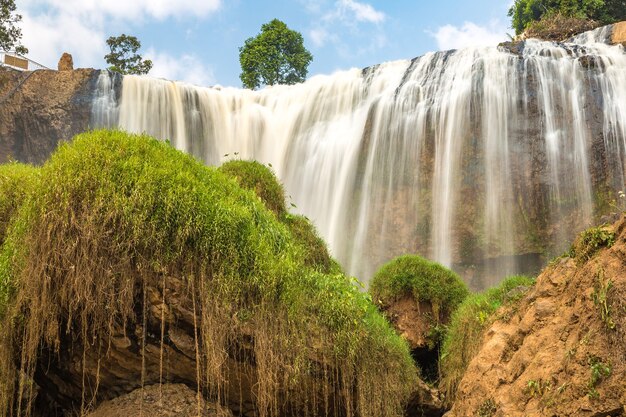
527,13
114,213
464,335
254,176
261,179
17,181
425,281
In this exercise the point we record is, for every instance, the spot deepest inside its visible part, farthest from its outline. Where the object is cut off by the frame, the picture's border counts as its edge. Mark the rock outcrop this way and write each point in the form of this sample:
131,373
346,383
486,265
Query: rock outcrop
561,351
41,108
619,34
66,63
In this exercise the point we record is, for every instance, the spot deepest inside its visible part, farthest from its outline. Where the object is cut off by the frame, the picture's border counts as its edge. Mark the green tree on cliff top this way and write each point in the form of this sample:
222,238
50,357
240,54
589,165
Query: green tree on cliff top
124,58
275,56
525,12
10,34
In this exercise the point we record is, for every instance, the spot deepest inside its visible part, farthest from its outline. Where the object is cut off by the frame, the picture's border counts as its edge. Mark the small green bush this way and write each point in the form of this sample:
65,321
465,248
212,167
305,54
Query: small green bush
426,281
253,175
463,338
591,241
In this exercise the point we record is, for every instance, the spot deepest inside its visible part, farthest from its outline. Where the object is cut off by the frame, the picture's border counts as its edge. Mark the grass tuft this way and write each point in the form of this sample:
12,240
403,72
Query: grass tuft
591,241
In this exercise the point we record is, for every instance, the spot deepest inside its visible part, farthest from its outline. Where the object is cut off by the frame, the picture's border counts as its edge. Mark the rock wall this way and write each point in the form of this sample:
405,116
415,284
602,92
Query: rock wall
560,351
41,108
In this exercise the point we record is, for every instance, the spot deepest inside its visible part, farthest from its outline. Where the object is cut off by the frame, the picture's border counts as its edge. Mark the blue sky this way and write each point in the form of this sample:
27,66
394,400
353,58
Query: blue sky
197,40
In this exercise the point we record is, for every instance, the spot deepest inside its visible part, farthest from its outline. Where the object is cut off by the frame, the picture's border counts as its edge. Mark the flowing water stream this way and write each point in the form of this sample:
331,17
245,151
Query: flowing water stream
466,157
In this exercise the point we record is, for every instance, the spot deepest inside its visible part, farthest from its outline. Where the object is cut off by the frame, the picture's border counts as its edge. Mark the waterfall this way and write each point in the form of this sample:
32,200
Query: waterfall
471,157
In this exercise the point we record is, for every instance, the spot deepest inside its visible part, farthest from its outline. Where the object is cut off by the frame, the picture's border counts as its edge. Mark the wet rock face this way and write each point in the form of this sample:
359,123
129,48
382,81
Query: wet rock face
41,108
562,349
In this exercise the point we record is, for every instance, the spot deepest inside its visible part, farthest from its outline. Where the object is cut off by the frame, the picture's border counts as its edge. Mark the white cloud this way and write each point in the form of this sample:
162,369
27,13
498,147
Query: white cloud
129,9
319,36
80,27
186,68
362,12
334,24
469,34
47,36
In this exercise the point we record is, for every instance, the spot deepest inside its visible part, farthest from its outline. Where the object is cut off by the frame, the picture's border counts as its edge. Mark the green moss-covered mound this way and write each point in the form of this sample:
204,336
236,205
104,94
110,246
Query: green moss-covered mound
16,182
118,213
463,337
426,281
315,250
259,178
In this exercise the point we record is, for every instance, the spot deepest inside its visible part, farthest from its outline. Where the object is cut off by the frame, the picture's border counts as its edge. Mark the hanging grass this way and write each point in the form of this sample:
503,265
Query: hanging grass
116,213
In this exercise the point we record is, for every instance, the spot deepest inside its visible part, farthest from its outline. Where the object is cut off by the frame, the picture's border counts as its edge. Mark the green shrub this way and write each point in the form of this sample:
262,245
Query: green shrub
591,241
126,210
253,175
463,338
414,276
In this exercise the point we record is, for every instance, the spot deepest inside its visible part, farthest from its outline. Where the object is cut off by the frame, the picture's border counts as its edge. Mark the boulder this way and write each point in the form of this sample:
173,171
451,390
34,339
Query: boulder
66,63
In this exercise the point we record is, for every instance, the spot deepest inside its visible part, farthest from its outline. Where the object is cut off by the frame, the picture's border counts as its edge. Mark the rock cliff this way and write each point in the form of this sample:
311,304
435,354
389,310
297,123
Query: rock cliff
560,351
41,108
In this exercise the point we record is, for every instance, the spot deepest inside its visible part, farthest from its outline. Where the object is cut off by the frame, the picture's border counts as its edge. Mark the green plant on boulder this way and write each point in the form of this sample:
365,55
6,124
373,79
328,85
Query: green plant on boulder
599,372
468,321
426,281
127,211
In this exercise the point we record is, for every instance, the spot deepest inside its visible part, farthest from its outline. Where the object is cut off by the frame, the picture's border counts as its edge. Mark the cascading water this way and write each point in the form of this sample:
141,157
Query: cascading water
467,157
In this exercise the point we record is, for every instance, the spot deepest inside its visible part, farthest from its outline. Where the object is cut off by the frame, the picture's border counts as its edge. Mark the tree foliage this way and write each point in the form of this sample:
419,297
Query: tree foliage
10,34
525,12
275,56
124,57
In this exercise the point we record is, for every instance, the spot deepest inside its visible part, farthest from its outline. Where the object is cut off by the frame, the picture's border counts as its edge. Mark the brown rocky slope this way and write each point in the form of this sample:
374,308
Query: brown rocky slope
561,351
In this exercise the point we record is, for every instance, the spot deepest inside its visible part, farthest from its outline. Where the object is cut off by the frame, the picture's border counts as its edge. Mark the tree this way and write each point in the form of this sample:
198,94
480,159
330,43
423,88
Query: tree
10,34
124,57
275,56
525,12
